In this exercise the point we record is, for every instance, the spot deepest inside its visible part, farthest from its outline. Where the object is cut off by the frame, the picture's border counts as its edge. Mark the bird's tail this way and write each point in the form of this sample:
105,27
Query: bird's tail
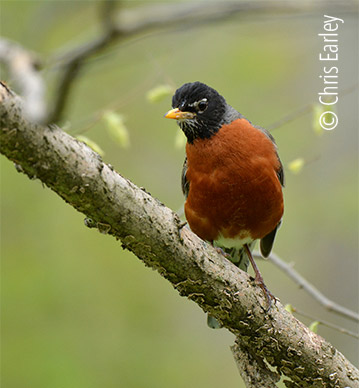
238,257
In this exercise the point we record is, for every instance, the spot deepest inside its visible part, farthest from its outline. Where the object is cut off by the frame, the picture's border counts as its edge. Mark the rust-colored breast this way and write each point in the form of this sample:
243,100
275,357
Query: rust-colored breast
234,189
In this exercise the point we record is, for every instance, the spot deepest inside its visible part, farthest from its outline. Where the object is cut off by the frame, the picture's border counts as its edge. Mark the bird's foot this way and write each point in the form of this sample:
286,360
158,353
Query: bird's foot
259,281
222,252
180,226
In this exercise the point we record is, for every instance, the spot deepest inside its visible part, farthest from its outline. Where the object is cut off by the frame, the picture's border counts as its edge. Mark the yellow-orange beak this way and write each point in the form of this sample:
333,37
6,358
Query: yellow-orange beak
179,115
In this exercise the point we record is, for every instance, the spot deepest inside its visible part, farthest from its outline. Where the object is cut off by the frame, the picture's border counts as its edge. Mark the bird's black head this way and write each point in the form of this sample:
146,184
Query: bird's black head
198,109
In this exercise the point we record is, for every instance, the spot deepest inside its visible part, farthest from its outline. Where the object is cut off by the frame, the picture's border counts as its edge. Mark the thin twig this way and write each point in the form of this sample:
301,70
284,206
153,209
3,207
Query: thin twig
87,123
327,324
140,19
290,117
309,288
76,58
303,110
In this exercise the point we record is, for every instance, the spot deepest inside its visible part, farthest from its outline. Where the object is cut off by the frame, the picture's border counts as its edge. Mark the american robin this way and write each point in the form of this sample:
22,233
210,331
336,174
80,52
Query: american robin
232,176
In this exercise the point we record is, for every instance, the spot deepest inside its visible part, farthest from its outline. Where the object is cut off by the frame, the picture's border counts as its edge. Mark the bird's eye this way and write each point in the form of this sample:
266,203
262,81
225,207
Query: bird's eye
202,105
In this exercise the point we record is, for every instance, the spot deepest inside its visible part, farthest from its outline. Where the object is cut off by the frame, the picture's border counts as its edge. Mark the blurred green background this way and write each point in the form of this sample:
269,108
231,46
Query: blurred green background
77,310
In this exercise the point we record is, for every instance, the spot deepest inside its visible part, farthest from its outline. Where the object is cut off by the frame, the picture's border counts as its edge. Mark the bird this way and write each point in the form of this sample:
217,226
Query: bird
232,176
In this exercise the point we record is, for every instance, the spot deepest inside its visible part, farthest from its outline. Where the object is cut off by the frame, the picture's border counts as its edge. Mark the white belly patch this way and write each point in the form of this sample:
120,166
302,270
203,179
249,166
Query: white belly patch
233,242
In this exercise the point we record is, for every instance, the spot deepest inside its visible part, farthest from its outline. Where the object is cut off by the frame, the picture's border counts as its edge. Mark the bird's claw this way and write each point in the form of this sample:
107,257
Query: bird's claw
180,226
267,293
222,252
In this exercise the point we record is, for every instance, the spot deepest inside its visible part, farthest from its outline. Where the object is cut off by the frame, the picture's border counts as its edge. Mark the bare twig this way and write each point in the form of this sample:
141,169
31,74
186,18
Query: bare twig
151,231
325,323
309,288
23,67
155,16
290,117
304,110
76,58
140,20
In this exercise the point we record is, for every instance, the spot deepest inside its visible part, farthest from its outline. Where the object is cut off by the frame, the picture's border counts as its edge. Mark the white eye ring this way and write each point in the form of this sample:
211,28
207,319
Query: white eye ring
202,105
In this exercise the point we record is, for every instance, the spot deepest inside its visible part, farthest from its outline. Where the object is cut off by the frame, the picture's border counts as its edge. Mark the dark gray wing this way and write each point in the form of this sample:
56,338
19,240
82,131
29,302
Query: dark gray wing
267,241
280,172
184,181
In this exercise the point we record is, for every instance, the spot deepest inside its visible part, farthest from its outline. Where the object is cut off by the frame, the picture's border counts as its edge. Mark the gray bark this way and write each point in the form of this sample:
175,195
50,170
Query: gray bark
153,233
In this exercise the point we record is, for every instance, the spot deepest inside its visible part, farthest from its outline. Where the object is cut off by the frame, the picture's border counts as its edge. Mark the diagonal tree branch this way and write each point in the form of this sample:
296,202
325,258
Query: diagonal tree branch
152,232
